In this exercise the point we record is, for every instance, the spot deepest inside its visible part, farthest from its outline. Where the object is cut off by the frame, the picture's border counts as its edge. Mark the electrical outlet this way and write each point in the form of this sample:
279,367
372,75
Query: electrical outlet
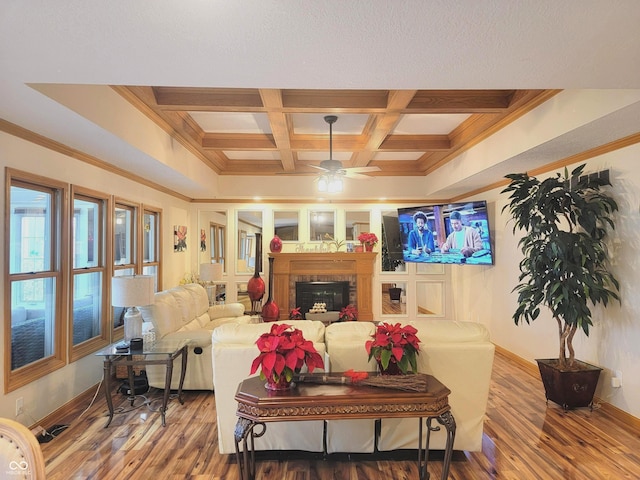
619,376
19,406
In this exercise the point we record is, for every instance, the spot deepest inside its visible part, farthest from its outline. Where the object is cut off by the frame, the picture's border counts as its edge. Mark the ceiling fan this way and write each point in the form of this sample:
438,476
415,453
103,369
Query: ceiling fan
333,168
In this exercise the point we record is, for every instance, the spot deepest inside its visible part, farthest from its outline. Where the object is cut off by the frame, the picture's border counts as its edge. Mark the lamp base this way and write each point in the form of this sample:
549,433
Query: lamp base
132,324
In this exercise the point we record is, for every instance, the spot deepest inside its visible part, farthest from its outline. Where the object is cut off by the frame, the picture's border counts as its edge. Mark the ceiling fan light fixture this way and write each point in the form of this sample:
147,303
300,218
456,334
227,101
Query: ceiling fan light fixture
322,183
330,183
336,185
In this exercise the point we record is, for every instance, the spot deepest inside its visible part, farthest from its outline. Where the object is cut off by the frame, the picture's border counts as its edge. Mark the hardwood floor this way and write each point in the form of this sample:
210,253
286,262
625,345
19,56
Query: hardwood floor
524,439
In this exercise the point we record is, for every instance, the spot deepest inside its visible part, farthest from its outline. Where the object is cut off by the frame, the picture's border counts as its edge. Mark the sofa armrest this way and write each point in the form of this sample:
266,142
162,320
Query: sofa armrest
226,310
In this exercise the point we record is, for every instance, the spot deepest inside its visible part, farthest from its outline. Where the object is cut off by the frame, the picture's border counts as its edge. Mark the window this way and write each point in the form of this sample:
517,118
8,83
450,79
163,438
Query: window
88,310
124,260
33,299
151,245
217,235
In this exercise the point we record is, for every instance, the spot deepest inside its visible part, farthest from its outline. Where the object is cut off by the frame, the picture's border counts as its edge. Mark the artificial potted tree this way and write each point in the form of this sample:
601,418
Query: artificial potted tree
564,268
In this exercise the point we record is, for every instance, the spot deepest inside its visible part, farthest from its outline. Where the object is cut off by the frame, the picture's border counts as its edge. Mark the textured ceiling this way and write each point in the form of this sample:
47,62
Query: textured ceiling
285,45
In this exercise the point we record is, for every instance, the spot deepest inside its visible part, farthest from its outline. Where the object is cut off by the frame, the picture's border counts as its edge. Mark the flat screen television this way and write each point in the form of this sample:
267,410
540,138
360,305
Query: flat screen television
455,233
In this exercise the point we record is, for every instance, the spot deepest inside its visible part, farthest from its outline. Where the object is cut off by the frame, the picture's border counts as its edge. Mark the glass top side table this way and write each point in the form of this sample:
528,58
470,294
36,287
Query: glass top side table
159,352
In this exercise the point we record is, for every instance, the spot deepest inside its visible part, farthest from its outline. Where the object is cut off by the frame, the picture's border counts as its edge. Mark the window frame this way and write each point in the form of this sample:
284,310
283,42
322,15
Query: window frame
59,252
104,247
157,244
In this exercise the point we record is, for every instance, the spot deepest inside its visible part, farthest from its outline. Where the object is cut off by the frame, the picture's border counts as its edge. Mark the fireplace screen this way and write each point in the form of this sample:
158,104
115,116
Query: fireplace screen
334,294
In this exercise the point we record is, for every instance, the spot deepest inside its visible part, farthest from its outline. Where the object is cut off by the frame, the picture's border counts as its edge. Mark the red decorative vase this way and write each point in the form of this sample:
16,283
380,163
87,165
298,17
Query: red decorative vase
270,311
255,285
281,384
276,244
368,247
392,369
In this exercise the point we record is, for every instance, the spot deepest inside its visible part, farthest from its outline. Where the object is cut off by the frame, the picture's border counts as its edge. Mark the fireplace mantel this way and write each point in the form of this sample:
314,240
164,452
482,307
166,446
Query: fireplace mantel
361,265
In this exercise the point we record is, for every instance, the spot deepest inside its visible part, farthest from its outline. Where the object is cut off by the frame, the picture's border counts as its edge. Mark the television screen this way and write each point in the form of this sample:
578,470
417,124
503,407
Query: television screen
452,233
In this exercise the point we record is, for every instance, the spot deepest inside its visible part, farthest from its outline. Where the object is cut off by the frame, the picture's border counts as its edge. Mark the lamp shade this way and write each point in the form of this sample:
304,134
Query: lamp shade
132,291
210,272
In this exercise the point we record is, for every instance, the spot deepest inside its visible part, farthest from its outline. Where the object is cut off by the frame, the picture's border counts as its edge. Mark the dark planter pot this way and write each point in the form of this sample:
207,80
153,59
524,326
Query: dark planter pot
394,294
569,389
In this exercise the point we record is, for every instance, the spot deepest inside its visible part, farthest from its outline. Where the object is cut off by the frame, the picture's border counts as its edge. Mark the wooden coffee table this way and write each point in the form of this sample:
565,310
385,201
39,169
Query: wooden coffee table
311,401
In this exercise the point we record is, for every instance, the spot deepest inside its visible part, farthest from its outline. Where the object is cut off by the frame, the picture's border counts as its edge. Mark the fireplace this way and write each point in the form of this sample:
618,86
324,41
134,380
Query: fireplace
356,268
334,294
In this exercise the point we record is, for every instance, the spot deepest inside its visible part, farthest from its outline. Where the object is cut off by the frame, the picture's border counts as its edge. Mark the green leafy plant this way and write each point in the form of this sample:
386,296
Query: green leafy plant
565,256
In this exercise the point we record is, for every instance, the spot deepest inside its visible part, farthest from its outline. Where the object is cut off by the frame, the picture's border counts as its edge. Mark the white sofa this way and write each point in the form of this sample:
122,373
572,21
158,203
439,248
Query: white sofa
233,350
183,312
459,354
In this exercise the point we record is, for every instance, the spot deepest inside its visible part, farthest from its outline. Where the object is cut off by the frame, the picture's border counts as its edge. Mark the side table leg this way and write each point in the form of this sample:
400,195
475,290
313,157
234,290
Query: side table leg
107,389
449,423
246,457
183,372
167,390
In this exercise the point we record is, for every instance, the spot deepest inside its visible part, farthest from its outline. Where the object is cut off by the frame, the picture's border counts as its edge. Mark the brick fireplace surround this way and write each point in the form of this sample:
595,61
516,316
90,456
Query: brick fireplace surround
291,267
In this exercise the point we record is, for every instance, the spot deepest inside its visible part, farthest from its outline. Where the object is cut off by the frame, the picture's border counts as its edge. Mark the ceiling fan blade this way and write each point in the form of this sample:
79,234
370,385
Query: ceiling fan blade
356,176
319,167
362,169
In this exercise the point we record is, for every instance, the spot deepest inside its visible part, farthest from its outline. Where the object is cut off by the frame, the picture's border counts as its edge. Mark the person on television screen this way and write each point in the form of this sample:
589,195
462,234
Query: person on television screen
420,241
464,239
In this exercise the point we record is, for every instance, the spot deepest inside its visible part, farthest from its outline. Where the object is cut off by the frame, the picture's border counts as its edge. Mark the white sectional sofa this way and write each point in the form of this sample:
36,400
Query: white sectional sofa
233,350
183,312
459,354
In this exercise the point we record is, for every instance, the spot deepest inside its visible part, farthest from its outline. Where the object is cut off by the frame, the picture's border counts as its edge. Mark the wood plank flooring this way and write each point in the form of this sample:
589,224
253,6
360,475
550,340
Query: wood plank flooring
524,439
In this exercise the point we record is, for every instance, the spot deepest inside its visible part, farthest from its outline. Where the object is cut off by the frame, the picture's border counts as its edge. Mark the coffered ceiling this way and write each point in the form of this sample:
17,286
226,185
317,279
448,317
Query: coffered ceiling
272,131
438,95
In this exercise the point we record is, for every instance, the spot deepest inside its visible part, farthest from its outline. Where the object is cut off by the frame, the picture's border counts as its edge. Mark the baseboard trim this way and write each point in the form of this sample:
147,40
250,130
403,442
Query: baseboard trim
69,408
532,369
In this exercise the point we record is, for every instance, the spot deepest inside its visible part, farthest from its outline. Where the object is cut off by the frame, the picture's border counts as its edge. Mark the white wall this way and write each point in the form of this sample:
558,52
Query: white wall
63,385
484,295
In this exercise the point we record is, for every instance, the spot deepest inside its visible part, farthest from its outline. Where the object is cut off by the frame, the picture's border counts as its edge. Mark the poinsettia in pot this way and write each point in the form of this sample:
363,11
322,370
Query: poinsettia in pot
395,348
369,240
283,352
348,314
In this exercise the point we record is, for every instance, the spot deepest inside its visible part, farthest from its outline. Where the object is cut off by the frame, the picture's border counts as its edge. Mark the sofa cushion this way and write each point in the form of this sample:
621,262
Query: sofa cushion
164,314
448,331
349,331
199,298
184,302
247,334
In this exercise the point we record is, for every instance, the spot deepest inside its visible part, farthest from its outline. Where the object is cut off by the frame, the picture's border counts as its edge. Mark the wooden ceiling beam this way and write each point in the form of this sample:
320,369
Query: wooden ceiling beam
415,143
381,125
331,101
460,101
341,143
272,100
205,99
238,141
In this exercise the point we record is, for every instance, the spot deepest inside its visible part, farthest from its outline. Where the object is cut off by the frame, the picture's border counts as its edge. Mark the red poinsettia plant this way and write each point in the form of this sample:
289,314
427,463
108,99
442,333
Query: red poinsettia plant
395,344
368,238
295,314
348,314
284,351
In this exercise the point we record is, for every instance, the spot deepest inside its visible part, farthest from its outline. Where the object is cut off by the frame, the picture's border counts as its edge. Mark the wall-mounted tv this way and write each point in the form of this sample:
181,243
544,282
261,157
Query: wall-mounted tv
455,233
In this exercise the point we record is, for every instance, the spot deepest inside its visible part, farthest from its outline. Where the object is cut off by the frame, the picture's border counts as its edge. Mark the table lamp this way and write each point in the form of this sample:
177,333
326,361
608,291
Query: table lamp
210,273
132,291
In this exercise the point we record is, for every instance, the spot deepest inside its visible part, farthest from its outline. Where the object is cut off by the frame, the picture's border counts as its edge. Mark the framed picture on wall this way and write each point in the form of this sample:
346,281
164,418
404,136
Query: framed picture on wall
179,238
